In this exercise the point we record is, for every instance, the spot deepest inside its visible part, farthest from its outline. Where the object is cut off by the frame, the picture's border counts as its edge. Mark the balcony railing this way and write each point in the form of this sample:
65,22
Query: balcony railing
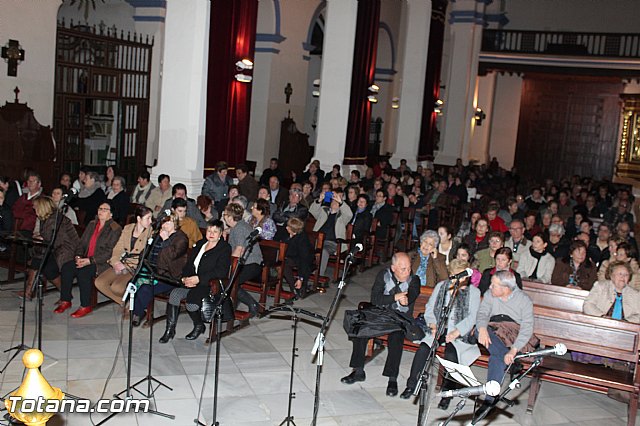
562,43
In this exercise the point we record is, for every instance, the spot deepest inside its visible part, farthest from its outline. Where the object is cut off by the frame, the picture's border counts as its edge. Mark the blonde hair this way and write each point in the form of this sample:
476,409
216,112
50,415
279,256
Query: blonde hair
457,265
44,207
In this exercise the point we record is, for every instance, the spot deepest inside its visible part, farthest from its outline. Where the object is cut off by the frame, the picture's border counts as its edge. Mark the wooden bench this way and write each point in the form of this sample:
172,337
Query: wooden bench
557,297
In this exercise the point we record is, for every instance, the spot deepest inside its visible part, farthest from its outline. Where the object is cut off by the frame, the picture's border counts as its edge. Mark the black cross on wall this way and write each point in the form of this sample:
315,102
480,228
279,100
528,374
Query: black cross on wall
12,53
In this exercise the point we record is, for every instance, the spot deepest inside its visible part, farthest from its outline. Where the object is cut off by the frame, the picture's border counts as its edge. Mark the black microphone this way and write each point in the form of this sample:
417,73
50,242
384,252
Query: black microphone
557,349
357,248
70,195
491,388
460,275
255,233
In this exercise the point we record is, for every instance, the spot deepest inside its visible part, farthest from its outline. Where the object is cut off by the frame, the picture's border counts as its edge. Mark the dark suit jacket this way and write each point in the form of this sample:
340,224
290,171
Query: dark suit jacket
299,250
282,197
107,239
385,217
378,297
171,259
249,188
120,207
214,264
362,225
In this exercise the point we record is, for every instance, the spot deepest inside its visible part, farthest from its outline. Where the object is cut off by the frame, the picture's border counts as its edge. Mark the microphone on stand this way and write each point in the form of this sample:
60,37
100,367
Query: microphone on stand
70,195
255,233
464,274
491,388
557,349
357,248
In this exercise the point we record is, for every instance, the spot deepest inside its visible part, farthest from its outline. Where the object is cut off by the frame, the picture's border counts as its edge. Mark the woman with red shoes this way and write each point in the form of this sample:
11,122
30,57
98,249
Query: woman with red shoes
92,254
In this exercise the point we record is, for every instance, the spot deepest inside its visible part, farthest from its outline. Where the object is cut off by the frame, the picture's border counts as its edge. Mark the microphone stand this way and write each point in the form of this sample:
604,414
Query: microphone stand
515,384
318,346
287,308
130,295
423,381
217,315
459,407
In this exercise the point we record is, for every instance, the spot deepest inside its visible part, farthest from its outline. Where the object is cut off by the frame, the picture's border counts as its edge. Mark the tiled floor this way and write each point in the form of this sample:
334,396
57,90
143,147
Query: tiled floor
254,372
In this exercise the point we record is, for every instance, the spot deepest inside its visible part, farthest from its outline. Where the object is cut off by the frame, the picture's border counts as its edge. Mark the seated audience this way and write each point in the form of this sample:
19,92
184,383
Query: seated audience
294,208
394,288
463,253
12,190
159,195
621,252
279,194
125,255
536,263
209,260
260,218
504,260
273,170
109,174
263,192
179,190
479,239
507,301
384,213
620,213
447,247
623,230
300,256
430,266
186,225
599,250
205,205
92,254
216,185
517,243
485,258
361,219
143,189
496,224
57,195
558,245
119,200
531,228
89,198
166,258
23,207
576,270
455,337
331,219
613,298
247,185
63,248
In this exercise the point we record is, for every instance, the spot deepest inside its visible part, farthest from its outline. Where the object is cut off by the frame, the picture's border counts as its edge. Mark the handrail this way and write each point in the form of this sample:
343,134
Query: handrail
616,45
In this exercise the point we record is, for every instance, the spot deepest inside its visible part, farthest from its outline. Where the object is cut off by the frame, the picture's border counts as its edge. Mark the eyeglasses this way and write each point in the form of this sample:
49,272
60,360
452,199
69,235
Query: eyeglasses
495,241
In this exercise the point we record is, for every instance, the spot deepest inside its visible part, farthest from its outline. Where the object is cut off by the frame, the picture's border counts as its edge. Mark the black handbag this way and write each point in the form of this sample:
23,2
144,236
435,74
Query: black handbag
209,304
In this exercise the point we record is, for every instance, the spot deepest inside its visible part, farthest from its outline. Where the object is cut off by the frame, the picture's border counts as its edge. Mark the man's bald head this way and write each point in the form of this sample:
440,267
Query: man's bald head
401,266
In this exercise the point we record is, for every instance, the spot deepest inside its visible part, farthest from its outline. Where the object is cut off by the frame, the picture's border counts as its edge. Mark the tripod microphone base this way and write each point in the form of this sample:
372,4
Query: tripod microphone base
288,421
198,422
18,349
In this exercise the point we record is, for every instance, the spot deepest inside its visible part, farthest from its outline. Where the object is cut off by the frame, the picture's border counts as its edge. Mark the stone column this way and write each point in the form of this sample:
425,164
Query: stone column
184,85
466,19
416,20
335,81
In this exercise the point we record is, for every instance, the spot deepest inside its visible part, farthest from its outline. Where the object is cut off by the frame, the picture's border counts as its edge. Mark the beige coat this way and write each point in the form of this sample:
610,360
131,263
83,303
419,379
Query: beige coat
603,295
124,245
635,268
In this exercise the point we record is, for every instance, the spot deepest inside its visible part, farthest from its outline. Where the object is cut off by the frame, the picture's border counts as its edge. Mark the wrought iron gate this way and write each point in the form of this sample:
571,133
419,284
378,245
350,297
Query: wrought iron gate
101,109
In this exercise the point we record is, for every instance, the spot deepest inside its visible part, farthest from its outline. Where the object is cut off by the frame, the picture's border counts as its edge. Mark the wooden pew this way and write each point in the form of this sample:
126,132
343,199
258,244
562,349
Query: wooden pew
553,296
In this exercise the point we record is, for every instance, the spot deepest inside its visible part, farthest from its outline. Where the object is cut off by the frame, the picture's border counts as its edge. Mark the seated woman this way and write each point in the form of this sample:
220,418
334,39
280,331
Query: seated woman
447,247
206,207
89,198
119,200
63,248
485,258
536,263
456,335
479,239
261,217
576,270
124,257
210,259
56,195
361,219
427,263
92,254
464,253
621,251
504,259
300,255
614,298
167,258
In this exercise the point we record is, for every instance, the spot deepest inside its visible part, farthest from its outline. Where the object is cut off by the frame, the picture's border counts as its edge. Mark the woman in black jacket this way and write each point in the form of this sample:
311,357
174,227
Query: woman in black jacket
89,198
210,259
299,255
120,200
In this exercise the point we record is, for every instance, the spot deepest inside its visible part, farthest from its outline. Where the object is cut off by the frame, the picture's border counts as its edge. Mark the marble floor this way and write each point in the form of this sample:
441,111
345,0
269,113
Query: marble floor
85,357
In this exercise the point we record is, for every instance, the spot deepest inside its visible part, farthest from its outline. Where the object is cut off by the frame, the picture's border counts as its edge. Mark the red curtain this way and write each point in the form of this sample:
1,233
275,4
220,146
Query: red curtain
232,35
432,80
362,76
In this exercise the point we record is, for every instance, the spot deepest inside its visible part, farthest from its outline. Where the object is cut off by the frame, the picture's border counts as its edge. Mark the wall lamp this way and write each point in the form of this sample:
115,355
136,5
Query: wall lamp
395,102
316,88
437,107
372,99
244,64
243,78
373,91
479,116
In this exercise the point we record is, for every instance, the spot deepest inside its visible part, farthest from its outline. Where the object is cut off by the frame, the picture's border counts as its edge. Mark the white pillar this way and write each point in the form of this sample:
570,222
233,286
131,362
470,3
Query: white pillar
184,88
505,118
417,19
335,81
466,35
481,135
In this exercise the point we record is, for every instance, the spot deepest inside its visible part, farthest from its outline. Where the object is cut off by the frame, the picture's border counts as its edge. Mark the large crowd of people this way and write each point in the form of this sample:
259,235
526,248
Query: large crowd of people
574,233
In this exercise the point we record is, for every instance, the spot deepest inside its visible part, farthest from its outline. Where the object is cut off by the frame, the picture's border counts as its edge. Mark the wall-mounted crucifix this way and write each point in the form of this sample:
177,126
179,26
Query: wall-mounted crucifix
12,53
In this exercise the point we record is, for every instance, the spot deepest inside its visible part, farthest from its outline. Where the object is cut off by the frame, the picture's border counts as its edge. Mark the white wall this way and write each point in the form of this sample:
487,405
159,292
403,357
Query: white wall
504,119
36,73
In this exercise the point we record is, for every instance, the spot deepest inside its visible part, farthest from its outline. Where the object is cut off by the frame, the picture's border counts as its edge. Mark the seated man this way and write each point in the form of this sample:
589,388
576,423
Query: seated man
505,310
159,195
288,210
180,191
394,288
143,189
187,225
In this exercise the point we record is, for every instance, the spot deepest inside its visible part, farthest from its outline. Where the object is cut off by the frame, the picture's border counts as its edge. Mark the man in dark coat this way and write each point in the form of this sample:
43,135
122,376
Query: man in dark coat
247,185
394,288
